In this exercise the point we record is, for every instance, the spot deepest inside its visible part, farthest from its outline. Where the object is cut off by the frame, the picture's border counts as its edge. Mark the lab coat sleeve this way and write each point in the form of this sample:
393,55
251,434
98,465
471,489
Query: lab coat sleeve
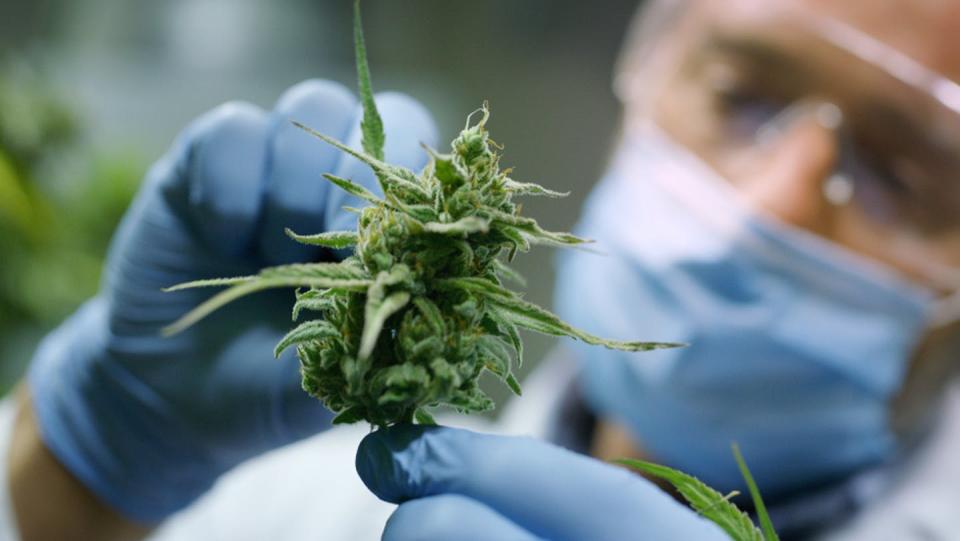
309,490
8,525
305,491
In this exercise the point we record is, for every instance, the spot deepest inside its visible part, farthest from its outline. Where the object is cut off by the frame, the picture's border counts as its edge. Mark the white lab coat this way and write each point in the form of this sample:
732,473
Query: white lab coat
310,490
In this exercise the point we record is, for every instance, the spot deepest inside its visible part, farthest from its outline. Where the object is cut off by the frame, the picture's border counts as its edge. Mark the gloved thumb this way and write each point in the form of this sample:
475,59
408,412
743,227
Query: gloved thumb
389,462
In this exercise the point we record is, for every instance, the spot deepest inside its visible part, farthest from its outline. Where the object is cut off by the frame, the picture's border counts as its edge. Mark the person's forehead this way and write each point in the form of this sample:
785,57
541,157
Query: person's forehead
926,30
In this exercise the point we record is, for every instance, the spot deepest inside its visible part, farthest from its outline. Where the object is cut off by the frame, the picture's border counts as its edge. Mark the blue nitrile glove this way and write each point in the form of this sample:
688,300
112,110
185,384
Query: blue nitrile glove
147,422
456,484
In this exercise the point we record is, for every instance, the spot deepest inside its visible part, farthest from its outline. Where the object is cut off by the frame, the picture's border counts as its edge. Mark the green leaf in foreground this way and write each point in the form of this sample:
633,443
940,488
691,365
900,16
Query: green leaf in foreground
414,317
342,276
762,515
310,330
510,307
706,501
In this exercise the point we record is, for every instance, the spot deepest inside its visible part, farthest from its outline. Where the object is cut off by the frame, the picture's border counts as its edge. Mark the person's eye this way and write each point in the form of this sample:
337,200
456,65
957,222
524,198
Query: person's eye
740,96
889,191
745,109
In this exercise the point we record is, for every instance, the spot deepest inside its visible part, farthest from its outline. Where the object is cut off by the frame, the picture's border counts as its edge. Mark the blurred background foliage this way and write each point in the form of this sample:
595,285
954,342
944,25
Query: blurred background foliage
59,202
91,91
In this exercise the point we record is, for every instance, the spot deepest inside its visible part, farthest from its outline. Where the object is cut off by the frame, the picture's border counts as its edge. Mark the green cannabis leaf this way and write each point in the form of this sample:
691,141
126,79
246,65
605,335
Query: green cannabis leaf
374,136
765,523
713,505
419,311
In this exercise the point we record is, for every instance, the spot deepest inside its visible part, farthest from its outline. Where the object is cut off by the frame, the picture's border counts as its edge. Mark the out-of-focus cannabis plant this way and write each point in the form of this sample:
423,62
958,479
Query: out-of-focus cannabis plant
60,199
419,311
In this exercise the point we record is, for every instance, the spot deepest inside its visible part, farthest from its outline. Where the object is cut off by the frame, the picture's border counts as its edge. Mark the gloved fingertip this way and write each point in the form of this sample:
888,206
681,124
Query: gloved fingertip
316,98
409,117
387,462
222,166
294,192
233,130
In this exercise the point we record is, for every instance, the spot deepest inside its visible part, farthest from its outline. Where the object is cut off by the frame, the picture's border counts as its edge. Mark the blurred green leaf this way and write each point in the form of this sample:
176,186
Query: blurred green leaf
708,502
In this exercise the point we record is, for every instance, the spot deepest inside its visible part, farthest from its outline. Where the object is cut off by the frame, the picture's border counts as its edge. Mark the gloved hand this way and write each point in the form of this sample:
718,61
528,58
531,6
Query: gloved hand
148,422
455,484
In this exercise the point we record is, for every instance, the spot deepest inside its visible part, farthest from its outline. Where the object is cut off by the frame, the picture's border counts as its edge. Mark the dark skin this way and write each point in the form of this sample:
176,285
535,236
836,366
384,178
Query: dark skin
716,45
48,501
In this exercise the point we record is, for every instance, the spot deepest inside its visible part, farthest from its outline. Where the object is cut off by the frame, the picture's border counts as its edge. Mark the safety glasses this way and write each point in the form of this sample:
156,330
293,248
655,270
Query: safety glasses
895,124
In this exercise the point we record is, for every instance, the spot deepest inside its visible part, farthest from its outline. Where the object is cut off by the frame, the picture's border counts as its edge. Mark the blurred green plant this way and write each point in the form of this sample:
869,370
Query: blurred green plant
59,204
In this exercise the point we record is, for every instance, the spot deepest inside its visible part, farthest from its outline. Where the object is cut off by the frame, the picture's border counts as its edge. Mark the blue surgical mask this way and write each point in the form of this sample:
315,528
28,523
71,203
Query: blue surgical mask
796,345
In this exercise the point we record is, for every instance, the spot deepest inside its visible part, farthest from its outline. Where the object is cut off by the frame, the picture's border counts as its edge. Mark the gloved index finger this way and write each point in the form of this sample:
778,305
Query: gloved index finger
212,174
552,492
294,191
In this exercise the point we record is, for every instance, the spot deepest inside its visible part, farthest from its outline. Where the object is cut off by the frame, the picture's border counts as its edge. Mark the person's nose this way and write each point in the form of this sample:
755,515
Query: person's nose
796,158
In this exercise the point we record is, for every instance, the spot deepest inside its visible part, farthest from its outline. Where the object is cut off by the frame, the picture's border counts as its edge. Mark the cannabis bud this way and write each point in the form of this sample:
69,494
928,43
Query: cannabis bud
420,310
